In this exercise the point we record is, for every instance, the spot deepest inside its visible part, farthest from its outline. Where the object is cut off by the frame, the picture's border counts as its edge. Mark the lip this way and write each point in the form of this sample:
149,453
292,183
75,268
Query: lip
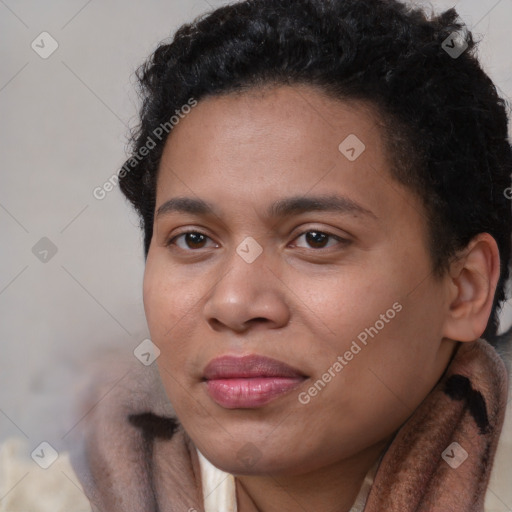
249,381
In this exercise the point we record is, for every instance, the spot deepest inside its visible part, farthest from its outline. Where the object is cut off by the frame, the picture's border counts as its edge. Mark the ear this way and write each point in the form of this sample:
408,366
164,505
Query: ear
472,282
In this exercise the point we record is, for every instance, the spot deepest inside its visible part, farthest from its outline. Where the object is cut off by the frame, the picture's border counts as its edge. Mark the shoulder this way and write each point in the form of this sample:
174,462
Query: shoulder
38,479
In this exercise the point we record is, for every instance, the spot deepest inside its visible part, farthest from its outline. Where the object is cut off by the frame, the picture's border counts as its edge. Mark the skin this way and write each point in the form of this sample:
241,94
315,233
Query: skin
303,301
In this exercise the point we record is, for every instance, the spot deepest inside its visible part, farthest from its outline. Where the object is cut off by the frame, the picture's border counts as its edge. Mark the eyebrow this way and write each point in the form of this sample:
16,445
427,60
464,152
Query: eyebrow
282,208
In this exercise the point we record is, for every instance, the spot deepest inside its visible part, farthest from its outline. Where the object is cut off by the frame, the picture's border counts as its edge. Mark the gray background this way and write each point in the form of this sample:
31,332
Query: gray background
64,125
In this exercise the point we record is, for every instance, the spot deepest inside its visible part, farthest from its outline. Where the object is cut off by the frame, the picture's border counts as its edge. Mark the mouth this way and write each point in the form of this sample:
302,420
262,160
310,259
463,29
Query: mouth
248,382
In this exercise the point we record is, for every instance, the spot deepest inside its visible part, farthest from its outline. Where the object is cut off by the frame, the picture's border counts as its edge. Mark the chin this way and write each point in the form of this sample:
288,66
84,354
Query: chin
250,460
258,466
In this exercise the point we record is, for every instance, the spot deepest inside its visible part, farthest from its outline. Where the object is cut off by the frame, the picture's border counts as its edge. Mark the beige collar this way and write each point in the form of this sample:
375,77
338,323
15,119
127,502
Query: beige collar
220,494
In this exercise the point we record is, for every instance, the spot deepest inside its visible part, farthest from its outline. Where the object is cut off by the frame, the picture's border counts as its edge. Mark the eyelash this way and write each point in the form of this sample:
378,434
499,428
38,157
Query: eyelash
342,241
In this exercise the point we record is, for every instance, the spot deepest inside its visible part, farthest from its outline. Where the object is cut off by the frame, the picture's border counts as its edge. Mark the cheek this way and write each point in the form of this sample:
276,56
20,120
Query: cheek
163,308
388,338
401,361
344,307
171,302
165,298
156,300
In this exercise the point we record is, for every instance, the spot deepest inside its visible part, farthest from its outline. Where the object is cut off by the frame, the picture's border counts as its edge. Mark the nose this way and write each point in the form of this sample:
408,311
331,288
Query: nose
247,295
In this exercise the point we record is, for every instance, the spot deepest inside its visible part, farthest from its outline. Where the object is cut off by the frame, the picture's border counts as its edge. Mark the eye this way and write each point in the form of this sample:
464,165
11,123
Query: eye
192,240
317,239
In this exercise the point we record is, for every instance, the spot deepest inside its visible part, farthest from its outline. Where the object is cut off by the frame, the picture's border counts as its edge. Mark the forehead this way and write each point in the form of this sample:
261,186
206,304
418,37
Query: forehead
284,128
259,145
301,116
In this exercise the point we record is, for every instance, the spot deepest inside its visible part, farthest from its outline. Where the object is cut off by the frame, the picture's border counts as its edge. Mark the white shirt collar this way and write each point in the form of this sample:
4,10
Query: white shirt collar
220,493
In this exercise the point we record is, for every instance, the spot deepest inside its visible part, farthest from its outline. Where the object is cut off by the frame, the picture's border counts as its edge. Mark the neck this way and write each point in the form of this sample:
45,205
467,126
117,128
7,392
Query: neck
332,488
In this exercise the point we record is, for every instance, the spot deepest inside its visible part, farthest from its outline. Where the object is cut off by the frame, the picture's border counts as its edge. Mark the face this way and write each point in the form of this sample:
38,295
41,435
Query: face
312,255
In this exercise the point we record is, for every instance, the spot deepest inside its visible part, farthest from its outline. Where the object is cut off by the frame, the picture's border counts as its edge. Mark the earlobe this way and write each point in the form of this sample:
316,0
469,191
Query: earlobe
473,278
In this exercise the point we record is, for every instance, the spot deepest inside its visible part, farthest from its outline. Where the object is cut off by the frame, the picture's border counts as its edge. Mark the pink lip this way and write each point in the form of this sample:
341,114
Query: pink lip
249,381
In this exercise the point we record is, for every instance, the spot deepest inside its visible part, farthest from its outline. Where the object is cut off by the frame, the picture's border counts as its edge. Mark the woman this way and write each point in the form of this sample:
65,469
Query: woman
322,190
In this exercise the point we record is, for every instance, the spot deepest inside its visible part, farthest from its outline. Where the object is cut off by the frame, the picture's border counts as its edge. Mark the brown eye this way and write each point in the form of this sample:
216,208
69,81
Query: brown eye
319,239
316,239
192,240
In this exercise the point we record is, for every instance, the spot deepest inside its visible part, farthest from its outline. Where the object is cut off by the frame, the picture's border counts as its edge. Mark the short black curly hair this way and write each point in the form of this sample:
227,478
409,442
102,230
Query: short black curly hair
446,125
